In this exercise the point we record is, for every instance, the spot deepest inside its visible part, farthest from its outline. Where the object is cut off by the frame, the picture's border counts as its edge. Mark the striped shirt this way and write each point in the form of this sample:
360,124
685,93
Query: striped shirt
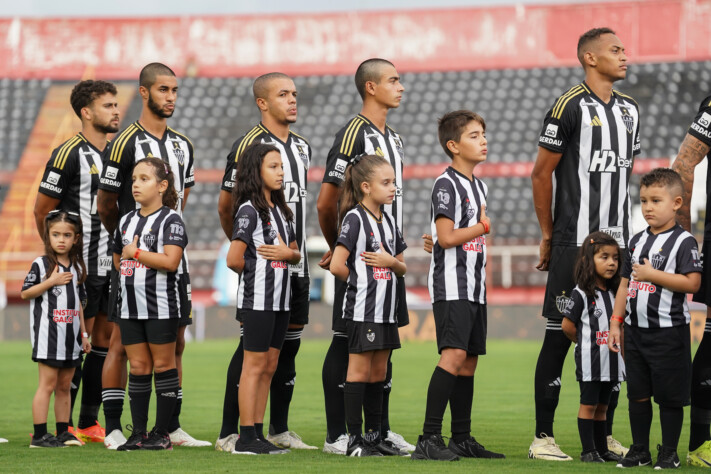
72,176
598,143
296,158
701,129
264,284
147,293
371,292
360,137
594,362
458,273
54,315
672,251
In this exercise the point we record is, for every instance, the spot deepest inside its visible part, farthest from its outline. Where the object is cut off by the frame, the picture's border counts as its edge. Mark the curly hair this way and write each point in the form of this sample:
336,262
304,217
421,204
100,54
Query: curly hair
86,92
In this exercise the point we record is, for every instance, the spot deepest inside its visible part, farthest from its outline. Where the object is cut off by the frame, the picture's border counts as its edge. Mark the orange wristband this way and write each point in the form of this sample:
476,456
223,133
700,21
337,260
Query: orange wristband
619,319
486,227
135,255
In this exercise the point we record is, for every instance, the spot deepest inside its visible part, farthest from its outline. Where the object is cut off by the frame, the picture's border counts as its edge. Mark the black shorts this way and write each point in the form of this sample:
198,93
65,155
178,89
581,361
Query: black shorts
60,364
560,283
97,296
152,331
658,363
401,312
460,324
596,393
186,301
300,299
704,293
263,329
365,337
114,302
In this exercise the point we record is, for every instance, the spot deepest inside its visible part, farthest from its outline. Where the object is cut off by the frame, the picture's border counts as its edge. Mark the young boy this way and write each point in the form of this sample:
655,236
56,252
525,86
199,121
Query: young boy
456,283
662,265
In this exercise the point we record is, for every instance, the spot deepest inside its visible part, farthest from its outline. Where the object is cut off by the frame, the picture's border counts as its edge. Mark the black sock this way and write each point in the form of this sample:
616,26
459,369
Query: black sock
547,378
372,411
73,391
700,428
387,387
247,434
174,422
353,396
611,407
40,430
671,419
460,407
91,387
440,389
259,430
62,427
167,384
587,434
139,395
600,432
112,399
333,375
640,421
230,405
282,387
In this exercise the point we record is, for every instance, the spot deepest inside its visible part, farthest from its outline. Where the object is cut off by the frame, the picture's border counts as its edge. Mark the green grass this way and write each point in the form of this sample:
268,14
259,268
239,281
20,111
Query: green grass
503,415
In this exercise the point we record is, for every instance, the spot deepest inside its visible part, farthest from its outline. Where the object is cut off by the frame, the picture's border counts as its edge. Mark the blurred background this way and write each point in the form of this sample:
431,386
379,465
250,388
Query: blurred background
507,61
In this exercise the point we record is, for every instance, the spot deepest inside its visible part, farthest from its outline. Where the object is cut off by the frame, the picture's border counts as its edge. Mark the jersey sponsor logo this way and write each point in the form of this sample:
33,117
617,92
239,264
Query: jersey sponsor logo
637,286
105,263
477,244
344,229
658,261
292,192
51,187
128,266
177,231
699,129
303,155
64,315
601,337
615,232
30,278
53,177
279,264
111,172
627,119
550,141
443,197
552,130
381,273
178,152
563,303
110,182
607,161
296,267
243,222
341,165
370,335
696,259
705,120
149,240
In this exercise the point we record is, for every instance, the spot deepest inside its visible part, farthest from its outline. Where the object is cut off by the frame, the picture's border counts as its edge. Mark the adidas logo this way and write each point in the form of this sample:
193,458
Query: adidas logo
706,383
555,383
93,170
596,122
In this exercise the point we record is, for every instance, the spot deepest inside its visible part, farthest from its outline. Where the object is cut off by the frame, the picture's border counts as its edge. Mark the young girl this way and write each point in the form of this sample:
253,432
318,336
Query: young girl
368,255
263,223
148,246
587,322
55,284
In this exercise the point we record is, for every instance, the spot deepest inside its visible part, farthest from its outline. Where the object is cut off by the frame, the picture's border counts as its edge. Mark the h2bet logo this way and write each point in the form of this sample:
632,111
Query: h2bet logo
607,161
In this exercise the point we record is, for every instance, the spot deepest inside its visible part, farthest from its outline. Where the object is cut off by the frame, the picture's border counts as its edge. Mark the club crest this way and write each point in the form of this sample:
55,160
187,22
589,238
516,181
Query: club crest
370,335
374,243
398,147
563,303
627,119
303,155
56,291
658,261
149,240
179,153
471,212
597,313
272,232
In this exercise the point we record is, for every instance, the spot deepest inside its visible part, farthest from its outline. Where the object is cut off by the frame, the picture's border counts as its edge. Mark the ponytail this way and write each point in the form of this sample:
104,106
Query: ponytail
359,171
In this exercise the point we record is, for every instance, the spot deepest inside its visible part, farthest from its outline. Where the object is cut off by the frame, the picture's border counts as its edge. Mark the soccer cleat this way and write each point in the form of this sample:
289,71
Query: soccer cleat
271,448
470,448
288,439
637,455
253,447
134,441
73,431
387,448
157,441
68,439
399,442
46,441
92,434
3,440
615,446
181,438
592,456
114,439
432,448
358,448
546,449
340,446
226,444
609,456
666,459
700,456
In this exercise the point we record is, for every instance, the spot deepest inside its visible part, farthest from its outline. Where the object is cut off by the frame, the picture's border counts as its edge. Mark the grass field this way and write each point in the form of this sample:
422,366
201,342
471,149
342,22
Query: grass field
502,415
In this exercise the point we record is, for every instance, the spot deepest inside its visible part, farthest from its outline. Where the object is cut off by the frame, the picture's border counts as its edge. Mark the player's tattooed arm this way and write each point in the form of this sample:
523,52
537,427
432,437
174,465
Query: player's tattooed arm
691,152
108,209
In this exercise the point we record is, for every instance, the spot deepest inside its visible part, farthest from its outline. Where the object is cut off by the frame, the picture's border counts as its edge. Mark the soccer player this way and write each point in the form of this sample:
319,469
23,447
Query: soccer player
587,146
697,145
149,136
379,86
70,183
276,96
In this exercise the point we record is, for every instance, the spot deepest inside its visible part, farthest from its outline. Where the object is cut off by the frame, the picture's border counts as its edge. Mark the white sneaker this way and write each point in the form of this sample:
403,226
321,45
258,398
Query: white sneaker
545,448
340,446
288,439
615,446
3,440
399,442
181,438
226,444
114,439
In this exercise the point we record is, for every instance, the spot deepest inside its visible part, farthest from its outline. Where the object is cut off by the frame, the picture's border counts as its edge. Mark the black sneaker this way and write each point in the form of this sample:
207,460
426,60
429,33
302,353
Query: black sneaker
636,456
358,448
157,441
272,448
433,448
68,439
253,447
134,441
46,441
609,456
387,448
591,456
470,448
667,458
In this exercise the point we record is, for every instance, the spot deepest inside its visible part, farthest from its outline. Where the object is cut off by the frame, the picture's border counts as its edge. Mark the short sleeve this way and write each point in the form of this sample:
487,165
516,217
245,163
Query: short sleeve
244,224
118,240
400,244
189,180
83,298
637,145
350,229
558,127
444,200
574,307
701,126
174,231
228,179
291,232
33,277
627,264
687,257
349,142
58,174
117,168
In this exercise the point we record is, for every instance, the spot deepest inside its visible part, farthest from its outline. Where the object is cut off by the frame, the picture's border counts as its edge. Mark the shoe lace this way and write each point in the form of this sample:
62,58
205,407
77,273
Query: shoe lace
438,440
294,435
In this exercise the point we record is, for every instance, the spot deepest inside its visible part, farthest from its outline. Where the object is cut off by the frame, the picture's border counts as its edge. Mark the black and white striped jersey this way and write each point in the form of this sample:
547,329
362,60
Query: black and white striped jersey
72,176
134,144
296,159
594,362
264,284
360,137
701,129
372,291
458,273
598,143
54,315
671,251
147,293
